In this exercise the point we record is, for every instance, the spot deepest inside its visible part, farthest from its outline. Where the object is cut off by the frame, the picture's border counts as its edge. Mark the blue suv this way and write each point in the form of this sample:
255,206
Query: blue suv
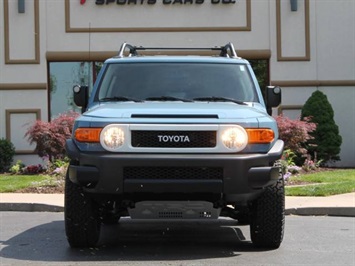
175,137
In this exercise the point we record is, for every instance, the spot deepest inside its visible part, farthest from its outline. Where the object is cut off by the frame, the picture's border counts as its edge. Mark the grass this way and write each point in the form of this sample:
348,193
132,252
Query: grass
11,183
324,183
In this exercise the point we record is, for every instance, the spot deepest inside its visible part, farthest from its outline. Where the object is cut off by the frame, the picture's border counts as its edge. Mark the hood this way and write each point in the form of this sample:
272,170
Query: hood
219,110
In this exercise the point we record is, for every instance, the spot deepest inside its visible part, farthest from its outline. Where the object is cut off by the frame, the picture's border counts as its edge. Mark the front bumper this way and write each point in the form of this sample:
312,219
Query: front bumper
239,174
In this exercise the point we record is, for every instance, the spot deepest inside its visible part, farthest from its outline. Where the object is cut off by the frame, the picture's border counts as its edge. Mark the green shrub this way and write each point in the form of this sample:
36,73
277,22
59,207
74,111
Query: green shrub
326,141
59,167
17,168
7,153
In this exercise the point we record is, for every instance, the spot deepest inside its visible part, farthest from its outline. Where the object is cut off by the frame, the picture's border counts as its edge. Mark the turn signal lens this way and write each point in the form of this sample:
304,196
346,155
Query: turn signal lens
84,134
260,135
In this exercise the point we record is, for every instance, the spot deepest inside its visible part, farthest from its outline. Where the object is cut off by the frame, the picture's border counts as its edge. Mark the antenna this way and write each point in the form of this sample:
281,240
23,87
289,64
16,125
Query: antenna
89,41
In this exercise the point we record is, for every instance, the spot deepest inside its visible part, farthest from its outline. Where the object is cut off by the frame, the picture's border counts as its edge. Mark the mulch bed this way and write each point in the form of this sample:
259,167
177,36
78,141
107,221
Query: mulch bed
43,190
56,189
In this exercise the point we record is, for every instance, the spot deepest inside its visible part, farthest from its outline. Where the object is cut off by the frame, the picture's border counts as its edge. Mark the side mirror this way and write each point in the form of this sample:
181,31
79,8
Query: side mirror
273,97
81,96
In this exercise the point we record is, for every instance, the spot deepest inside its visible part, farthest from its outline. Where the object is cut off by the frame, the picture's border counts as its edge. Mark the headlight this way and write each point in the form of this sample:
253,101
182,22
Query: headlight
235,138
112,137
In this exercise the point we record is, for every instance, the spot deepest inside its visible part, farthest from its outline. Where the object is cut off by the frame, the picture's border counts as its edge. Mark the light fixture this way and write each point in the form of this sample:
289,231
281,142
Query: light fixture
294,5
21,6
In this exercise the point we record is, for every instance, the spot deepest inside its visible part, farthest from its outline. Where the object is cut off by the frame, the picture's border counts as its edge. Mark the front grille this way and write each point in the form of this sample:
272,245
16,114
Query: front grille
170,215
174,139
187,173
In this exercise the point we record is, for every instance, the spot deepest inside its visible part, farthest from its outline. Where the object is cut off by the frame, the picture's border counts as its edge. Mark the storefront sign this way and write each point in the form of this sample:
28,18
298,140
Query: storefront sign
165,2
157,15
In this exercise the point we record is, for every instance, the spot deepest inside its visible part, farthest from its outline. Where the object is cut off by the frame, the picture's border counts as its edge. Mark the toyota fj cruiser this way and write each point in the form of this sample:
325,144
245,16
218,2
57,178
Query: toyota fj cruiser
175,137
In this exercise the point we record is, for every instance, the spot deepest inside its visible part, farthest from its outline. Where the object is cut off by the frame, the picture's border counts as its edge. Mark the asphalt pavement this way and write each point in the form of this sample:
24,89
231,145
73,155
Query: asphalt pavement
337,205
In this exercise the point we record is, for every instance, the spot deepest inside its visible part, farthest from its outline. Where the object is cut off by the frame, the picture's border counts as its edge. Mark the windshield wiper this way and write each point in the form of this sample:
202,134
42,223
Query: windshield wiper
167,98
218,99
119,99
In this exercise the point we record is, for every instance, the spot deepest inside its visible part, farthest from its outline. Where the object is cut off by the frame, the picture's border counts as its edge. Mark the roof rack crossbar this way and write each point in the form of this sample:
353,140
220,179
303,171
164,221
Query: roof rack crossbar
226,50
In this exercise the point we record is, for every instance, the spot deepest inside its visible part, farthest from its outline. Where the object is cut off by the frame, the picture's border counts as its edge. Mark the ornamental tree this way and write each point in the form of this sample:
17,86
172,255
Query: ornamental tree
50,137
326,141
295,133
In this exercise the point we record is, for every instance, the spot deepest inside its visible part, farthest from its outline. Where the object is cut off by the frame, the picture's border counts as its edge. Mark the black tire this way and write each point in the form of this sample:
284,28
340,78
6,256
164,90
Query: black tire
243,217
268,217
82,223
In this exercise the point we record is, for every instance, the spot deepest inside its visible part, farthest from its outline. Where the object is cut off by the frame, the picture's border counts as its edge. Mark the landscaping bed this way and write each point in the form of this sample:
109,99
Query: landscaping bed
57,189
322,182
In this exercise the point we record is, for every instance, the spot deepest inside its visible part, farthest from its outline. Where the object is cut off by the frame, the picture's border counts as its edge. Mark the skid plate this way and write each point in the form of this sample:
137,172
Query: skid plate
174,210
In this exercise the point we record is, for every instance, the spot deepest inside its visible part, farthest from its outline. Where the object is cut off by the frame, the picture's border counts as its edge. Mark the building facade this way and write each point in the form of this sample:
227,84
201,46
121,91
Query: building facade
47,46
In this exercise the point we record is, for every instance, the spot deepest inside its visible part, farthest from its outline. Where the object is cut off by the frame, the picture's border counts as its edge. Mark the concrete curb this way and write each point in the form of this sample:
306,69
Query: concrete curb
322,211
30,207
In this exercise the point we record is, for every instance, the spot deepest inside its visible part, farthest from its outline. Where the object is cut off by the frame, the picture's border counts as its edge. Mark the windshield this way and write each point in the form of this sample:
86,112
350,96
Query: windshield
185,81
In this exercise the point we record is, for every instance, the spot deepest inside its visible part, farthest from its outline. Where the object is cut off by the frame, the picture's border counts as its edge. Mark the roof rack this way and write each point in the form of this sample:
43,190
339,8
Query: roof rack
225,51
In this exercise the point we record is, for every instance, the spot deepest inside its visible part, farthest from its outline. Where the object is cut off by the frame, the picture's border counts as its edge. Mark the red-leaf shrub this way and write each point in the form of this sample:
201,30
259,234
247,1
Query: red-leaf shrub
33,169
50,137
295,133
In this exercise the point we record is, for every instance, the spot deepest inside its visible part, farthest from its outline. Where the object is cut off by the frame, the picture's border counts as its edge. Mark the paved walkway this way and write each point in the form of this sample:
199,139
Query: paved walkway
338,205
